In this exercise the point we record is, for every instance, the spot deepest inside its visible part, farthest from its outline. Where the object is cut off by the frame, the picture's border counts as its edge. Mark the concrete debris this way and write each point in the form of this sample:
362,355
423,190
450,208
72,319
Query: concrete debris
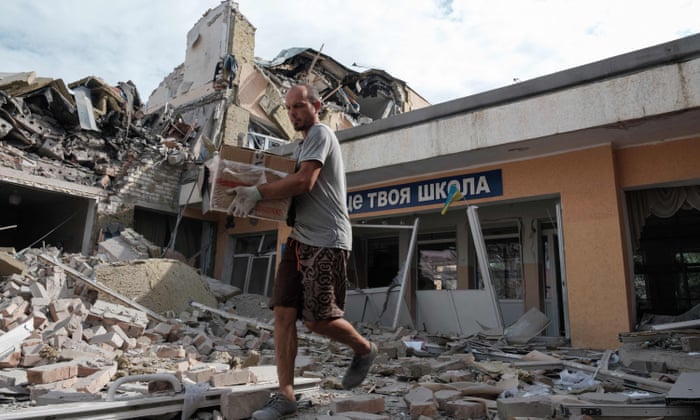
362,96
65,342
94,131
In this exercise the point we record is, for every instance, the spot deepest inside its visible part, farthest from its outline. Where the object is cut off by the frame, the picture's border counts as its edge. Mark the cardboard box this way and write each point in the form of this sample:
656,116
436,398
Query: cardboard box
236,166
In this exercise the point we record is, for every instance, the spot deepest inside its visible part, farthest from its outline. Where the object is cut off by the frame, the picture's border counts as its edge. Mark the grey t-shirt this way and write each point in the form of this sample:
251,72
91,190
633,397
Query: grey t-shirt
322,214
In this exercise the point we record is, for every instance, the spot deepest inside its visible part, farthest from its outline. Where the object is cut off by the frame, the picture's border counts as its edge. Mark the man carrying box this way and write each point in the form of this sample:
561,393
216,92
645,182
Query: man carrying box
311,278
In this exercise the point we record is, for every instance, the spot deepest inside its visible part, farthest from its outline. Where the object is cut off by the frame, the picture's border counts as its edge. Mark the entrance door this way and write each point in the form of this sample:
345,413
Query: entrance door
550,282
505,265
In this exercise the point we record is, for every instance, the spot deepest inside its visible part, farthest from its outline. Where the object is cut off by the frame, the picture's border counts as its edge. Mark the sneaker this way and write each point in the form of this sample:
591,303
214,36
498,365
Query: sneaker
277,407
357,372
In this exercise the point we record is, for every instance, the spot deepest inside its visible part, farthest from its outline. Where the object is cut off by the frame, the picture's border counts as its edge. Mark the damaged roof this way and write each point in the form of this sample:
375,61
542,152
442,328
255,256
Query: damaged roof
366,96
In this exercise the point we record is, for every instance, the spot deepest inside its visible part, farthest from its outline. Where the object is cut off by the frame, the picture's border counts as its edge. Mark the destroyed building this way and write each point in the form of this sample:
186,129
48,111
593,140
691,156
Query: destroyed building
559,211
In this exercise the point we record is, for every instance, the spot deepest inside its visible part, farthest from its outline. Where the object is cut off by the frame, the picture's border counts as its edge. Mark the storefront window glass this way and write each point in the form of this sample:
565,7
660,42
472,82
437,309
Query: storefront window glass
505,265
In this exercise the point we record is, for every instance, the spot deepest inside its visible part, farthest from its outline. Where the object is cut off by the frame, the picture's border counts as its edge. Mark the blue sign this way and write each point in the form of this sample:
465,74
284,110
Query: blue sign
433,191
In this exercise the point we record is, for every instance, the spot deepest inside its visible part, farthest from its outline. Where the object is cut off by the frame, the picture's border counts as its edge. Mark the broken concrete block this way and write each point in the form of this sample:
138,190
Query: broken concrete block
231,377
356,415
426,409
205,347
90,333
181,367
312,374
461,409
96,381
201,374
31,355
444,396
241,405
421,401
257,342
63,396
535,406
253,359
690,344
239,328
450,364
8,307
11,360
52,373
111,339
18,315
38,290
170,351
73,354
9,265
41,389
263,374
38,303
361,403
128,342
163,328
13,377
456,376
414,369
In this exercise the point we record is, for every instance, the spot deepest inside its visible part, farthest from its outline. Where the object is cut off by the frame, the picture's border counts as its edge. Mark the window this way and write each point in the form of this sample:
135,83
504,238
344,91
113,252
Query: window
382,261
254,263
667,264
437,261
505,262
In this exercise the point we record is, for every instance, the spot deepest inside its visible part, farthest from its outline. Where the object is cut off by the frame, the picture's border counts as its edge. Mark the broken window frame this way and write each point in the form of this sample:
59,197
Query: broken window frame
437,261
246,262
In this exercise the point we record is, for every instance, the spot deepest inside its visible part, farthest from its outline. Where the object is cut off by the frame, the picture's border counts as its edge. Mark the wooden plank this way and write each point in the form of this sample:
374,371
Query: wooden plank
104,289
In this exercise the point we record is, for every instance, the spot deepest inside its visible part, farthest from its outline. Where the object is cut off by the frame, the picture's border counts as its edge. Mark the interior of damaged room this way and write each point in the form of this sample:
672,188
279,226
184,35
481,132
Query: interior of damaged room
113,304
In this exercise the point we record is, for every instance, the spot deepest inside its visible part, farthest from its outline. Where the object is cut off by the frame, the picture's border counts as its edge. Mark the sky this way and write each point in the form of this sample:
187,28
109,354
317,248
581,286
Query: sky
443,49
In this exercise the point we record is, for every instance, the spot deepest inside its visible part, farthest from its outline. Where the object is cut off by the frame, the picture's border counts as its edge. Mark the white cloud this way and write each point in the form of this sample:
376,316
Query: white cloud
443,49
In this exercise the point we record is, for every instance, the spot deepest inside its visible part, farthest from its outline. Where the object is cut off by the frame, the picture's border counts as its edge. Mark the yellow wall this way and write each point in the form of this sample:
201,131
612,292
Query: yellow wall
659,163
593,235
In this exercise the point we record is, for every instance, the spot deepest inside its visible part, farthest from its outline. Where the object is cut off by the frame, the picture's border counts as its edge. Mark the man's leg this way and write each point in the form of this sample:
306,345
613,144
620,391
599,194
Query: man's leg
283,404
342,331
285,336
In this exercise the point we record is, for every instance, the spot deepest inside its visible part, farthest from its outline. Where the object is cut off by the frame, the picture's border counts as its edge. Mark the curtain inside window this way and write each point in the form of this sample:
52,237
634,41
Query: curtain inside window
660,202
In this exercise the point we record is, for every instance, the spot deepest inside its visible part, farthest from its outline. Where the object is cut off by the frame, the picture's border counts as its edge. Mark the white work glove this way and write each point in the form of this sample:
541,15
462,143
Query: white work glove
244,200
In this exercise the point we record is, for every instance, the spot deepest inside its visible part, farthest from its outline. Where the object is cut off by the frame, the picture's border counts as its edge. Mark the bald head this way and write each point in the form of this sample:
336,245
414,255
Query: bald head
303,103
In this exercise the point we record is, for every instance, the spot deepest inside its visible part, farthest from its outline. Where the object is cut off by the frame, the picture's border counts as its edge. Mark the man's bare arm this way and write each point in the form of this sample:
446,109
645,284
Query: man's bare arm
293,184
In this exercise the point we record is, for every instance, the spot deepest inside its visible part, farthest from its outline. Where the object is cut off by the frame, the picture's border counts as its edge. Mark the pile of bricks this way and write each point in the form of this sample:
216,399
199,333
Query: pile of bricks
69,344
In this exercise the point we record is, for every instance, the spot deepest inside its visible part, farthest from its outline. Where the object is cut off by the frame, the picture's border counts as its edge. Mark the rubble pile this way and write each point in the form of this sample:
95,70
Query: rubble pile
93,130
362,97
69,338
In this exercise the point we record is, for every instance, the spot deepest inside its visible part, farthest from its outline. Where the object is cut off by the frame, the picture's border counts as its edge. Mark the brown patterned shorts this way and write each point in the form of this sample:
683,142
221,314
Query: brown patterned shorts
311,279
